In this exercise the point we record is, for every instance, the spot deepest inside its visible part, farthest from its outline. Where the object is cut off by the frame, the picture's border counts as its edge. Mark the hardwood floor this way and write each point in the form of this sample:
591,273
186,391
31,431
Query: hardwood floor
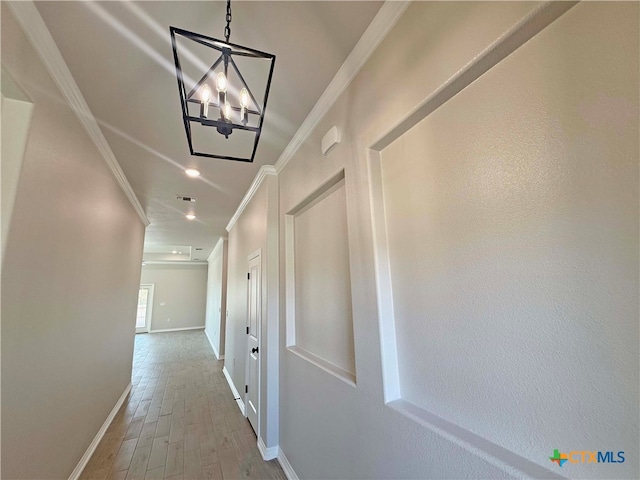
180,420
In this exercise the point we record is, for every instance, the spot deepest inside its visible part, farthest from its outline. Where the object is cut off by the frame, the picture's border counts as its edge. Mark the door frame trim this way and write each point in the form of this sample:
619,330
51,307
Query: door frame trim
250,257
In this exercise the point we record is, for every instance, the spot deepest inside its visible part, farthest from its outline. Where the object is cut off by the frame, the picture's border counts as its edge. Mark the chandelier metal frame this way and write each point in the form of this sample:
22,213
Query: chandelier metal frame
225,124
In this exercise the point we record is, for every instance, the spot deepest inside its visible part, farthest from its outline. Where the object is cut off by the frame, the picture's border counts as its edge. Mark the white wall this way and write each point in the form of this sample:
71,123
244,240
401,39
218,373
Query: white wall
179,295
70,279
509,219
215,323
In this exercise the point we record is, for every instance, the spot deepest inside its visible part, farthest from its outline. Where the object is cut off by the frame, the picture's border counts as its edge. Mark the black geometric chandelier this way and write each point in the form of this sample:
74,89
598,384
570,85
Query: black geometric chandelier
215,96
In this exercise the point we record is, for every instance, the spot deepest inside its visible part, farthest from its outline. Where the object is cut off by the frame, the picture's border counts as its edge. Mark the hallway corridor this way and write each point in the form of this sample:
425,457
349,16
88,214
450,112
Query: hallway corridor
180,420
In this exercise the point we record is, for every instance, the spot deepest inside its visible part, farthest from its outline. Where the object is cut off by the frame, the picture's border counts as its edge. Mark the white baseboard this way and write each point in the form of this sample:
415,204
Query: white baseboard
267,453
96,440
213,347
176,329
286,466
234,390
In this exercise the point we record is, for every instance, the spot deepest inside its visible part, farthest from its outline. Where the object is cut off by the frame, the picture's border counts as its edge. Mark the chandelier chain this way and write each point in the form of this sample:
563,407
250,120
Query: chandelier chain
227,29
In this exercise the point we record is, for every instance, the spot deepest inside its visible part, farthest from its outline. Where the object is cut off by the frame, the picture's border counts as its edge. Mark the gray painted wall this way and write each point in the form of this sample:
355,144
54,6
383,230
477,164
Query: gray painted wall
512,236
215,325
179,297
247,236
256,228
70,280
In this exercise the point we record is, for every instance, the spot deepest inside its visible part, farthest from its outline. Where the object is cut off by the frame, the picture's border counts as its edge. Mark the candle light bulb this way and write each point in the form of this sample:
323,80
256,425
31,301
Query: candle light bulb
205,98
221,86
227,111
244,102
205,93
244,97
221,82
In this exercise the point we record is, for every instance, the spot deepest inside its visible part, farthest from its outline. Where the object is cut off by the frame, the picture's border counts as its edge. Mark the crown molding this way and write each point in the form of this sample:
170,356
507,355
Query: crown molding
384,20
377,30
40,38
257,181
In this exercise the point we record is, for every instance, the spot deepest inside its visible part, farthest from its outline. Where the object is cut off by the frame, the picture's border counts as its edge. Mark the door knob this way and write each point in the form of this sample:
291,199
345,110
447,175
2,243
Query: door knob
254,350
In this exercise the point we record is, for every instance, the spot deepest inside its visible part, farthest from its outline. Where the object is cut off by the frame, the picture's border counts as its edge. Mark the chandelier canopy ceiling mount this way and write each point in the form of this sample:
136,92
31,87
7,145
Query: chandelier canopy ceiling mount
214,93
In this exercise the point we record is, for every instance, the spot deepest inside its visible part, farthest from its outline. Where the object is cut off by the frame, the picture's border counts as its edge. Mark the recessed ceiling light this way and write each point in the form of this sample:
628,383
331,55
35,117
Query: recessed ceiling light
174,252
143,264
179,253
192,172
190,216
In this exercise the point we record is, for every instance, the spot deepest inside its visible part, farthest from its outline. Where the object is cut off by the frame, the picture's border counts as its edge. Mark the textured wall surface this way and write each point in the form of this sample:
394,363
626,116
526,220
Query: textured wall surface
512,222
70,282
512,227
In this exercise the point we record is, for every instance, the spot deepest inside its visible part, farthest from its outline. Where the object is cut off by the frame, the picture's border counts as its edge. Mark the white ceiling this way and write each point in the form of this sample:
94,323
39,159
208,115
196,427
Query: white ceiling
120,55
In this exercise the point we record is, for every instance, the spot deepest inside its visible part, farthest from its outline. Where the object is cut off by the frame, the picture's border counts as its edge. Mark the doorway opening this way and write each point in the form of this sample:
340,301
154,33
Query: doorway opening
145,306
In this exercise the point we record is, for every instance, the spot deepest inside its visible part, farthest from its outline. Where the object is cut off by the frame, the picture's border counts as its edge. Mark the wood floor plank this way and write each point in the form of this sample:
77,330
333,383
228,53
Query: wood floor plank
105,454
120,426
155,474
153,413
138,466
273,471
143,408
175,460
164,426
121,475
229,464
147,434
192,437
167,406
158,456
176,434
97,473
125,453
212,472
208,450
178,407
192,464
180,420
134,428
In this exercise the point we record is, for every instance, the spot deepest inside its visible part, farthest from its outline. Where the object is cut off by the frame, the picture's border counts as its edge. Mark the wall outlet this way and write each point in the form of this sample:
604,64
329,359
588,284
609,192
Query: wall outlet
162,304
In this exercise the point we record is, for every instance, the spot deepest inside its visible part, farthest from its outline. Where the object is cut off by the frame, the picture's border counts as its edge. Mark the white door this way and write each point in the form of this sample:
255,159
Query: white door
253,340
145,304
